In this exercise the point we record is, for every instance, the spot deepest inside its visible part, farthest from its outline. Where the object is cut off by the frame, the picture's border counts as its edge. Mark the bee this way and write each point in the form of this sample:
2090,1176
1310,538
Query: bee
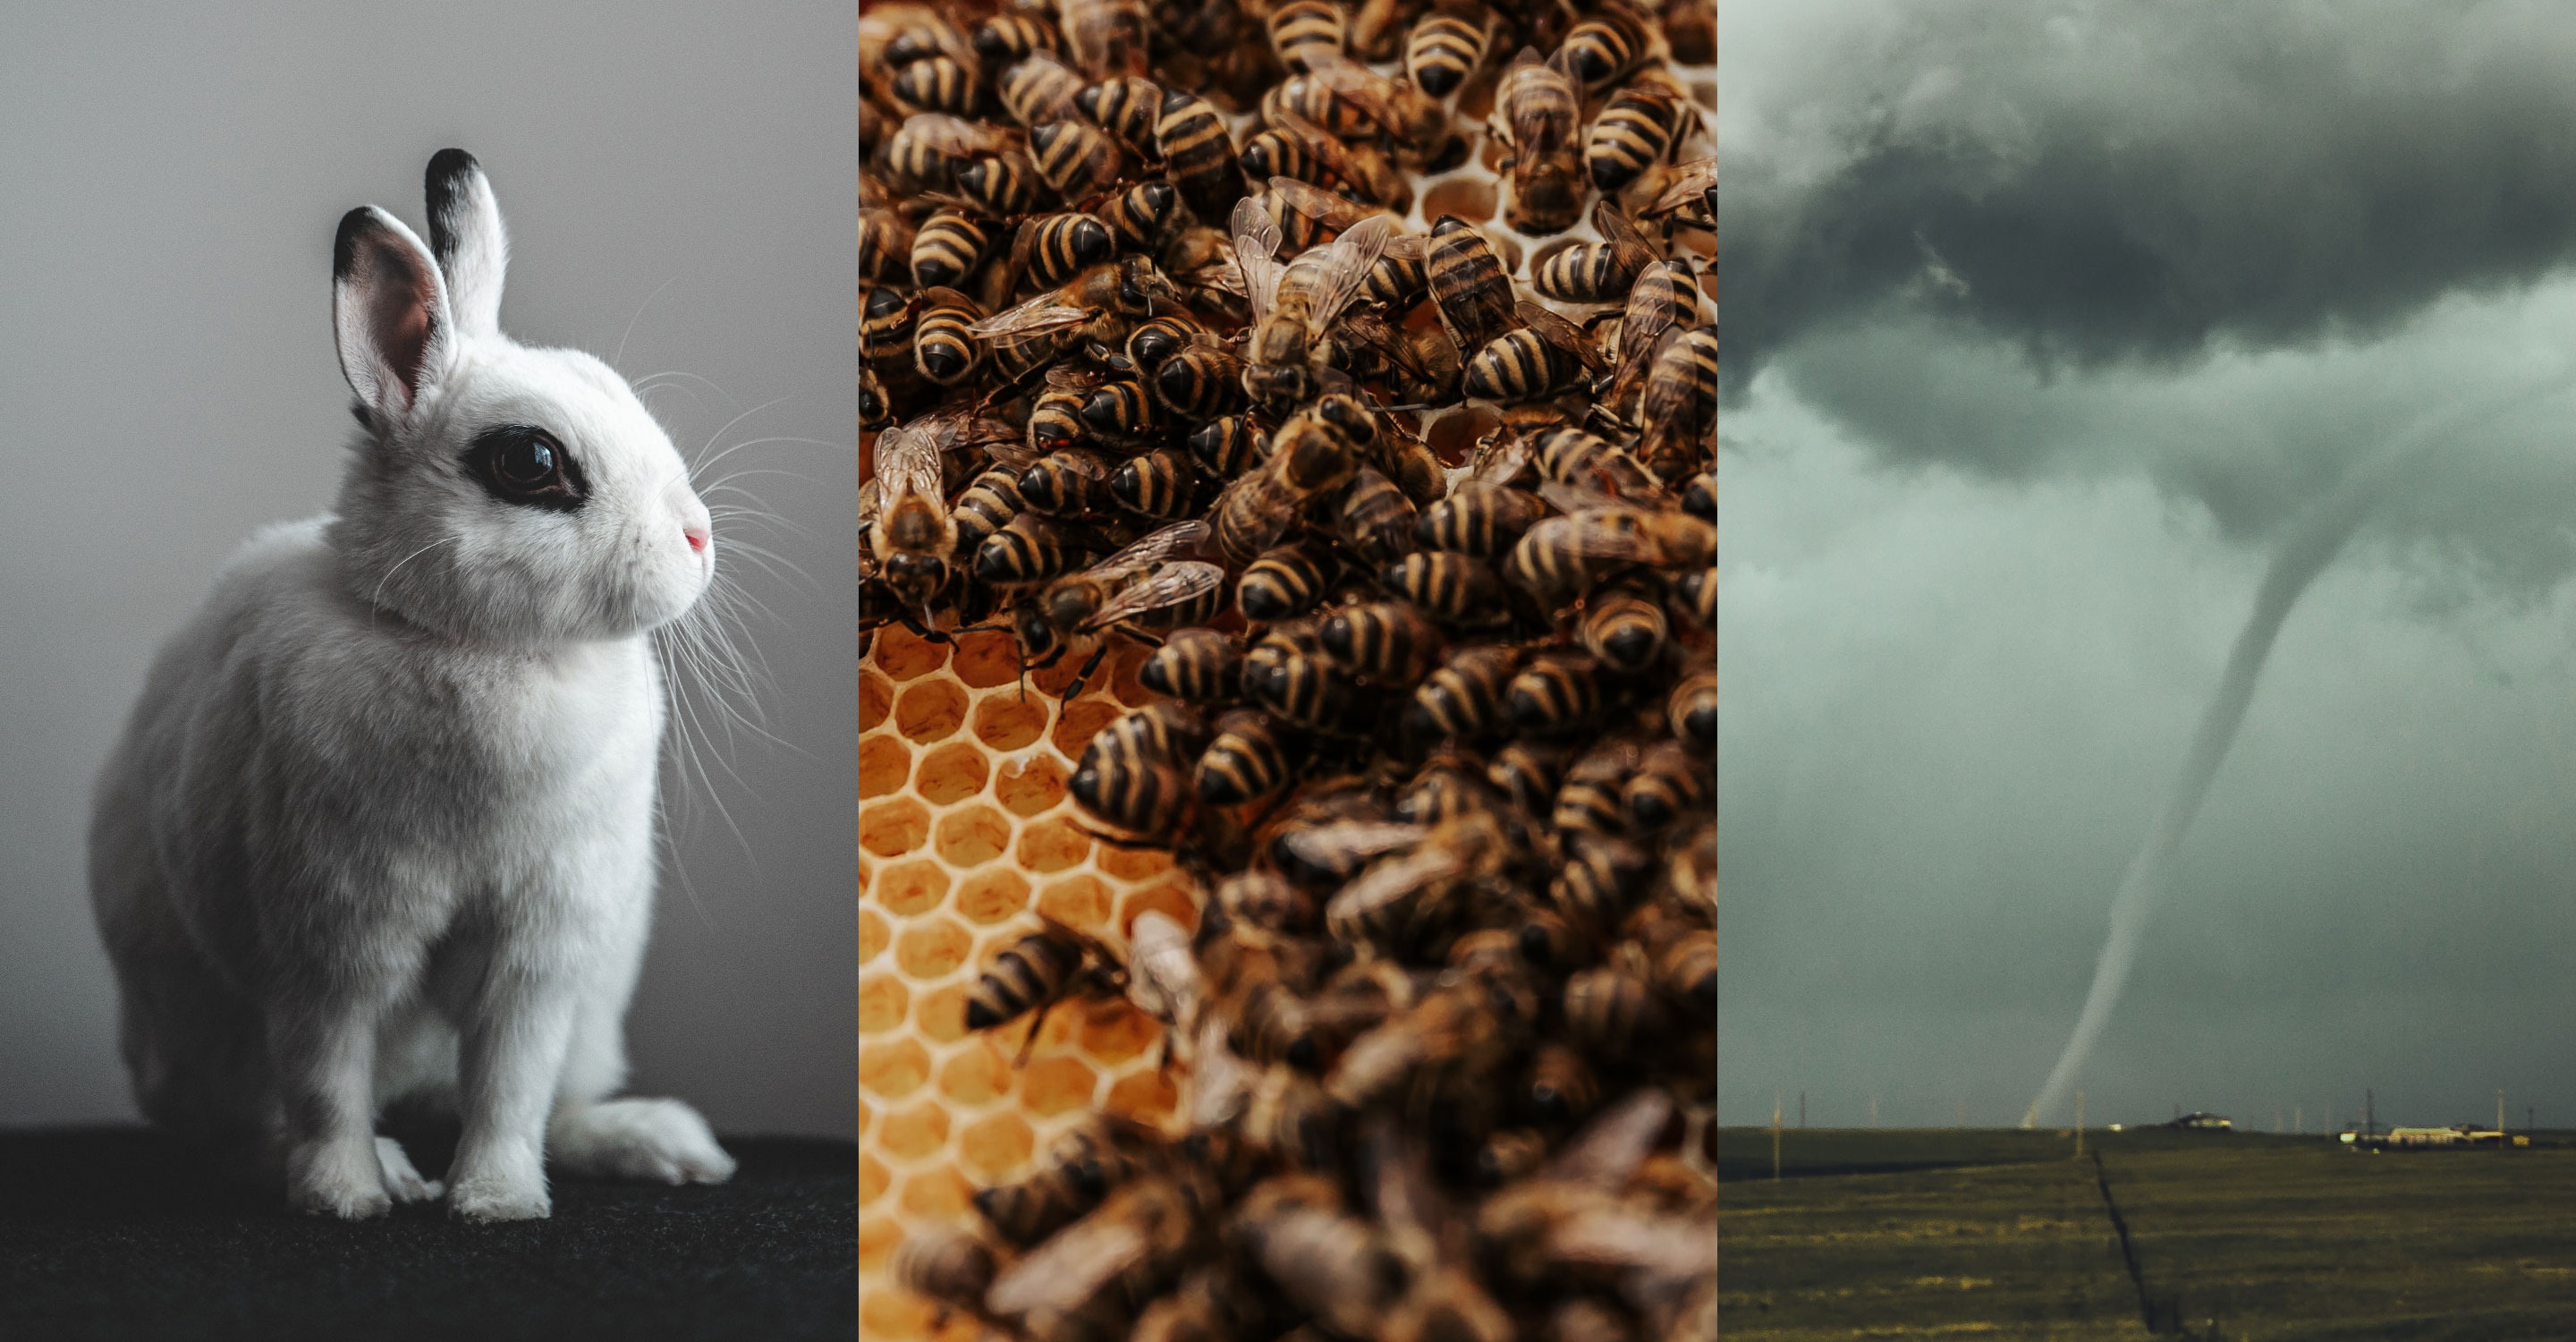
1303,26
1066,481
1671,191
1017,358
1691,26
1077,158
1453,587
1401,276
1055,418
1121,407
1699,497
1326,1262
1201,382
1464,696
1036,972
1154,341
1693,711
1557,692
1141,216
1601,877
1268,901
991,500
1227,446
1624,627
1248,760
939,84
885,244
1100,305
1312,99
1004,186
1200,262
1398,896
1157,484
1450,784
1123,781
1479,519
943,344
948,249
1300,686
952,1268
1601,272
1417,123
1642,124
1444,49
1612,1007
1328,834
1535,109
1312,453
1560,1089
914,534
1307,216
1107,36
1376,517
885,321
1667,783
1070,1180
1294,305
1565,554
1527,772
1137,1240
1195,665
1139,586
1468,282
1587,461
1127,108
1588,801
1547,355
1199,155
1210,1305
1678,411
1699,596
1039,90
1685,968
1031,549
1386,641
1286,582
1005,38
931,146
1614,41
875,411
1453,1043
1665,294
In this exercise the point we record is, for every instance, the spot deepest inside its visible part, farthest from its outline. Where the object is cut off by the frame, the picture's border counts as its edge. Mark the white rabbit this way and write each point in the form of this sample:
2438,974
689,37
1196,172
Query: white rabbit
381,825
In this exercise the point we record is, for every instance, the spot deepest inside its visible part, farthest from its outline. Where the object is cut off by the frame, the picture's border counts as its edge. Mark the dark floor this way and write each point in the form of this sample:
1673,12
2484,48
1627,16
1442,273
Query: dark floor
113,1233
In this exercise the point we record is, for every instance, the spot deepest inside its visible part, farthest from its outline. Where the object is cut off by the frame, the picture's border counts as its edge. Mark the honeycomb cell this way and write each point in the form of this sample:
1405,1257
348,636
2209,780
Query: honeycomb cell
1079,722
1080,902
1147,1096
1006,722
937,1194
1173,900
1057,1085
895,827
1029,787
883,1000
941,1014
873,935
986,661
994,1146
1123,685
905,655
974,836
876,699
867,1114
894,1068
1463,196
907,888
885,765
1113,1037
894,1316
878,1236
914,1133
929,710
1133,864
932,949
976,1077
1052,845
1055,680
873,1179
951,774
992,895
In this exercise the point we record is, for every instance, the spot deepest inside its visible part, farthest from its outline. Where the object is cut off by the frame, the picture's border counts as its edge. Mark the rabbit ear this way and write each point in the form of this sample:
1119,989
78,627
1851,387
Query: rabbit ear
389,312
465,235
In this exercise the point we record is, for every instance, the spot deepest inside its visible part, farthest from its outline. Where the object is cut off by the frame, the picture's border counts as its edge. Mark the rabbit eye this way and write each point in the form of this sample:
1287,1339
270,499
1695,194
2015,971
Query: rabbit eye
524,465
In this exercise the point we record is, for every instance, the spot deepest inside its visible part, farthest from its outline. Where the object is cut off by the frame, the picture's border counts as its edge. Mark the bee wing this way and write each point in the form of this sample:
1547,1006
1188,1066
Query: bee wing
1557,331
1642,327
1084,464
1172,585
1689,181
1372,93
1574,499
1274,517
1328,151
1474,313
1592,537
1503,463
1328,843
1346,268
1256,254
1391,878
908,462
1034,317
1539,125
1068,1269
1316,203
1610,1148
1163,974
1156,546
1628,246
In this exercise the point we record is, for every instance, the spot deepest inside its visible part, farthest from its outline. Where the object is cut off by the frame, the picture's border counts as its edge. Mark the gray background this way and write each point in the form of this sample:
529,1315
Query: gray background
2049,322
169,179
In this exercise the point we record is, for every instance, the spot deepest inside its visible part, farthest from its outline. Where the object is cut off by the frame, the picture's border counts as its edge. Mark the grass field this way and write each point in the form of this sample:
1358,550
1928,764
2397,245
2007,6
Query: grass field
2000,1234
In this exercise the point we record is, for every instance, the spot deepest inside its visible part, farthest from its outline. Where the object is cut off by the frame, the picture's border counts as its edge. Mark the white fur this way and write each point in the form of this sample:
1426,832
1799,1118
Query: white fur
381,825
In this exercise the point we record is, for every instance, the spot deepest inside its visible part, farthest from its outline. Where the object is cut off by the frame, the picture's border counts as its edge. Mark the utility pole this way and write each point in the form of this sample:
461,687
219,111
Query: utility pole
1775,1136
2501,1143
2079,1125
1802,1108
1873,1111
2369,1116
2276,1120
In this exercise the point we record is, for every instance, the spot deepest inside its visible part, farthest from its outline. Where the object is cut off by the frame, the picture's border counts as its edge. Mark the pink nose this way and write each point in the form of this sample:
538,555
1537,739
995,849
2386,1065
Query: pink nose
698,537
694,521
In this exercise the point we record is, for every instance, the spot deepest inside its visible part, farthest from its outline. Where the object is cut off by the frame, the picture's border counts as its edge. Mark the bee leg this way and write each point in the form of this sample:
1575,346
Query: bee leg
1083,677
1030,1041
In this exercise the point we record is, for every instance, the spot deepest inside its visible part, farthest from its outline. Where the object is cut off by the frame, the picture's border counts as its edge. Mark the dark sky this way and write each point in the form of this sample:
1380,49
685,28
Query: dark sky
2047,322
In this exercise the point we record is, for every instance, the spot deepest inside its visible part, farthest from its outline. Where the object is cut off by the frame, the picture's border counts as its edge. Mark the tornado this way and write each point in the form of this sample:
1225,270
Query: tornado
2316,535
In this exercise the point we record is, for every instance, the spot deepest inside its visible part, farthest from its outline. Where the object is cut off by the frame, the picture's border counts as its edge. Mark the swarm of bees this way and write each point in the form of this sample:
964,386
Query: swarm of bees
1170,338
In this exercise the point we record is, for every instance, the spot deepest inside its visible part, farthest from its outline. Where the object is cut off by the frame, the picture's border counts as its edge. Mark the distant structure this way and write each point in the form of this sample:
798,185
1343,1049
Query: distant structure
2201,1121
2458,1134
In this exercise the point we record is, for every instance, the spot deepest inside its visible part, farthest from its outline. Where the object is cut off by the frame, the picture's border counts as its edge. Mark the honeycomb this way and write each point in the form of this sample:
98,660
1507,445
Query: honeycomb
965,836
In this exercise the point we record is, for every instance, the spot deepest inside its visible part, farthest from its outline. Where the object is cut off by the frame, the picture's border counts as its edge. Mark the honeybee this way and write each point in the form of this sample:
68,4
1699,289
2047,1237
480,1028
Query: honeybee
1312,453
1039,970
1699,497
1599,272
1294,305
1296,147
1200,262
1674,191
1464,696
1450,784
1398,896
1664,295
1376,518
1386,641
1127,1248
1001,186
1267,900
914,535
1468,282
1678,409
1401,276
1157,484
1479,518
1452,1043
1308,216
1286,582
1202,382
1126,108
941,345
1417,123
1691,26
1077,158
1588,801
1613,1007
1120,408
1032,549
1100,305
1208,1306
1247,761
1142,216
1227,446
952,1268
1055,248
1561,555
1004,38
1557,692
1527,773
1445,48
1144,583
1129,781
1199,155
1196,666
1668,782
1535,109
1070,1180
947,249
1641,125
885,244
1419,365
1301,27
1590,462
1546,355
1601,877
1685,968
939,84
875,411
1693,711
991,500
1613,41
1325,1261
1698,591
1039,90
1454,587
1301,686
931,146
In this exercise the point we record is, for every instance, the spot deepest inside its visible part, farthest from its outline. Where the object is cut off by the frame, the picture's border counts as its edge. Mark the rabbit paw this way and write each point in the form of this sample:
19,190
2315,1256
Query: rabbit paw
340,1179
402,1182
656,1141
495,1198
